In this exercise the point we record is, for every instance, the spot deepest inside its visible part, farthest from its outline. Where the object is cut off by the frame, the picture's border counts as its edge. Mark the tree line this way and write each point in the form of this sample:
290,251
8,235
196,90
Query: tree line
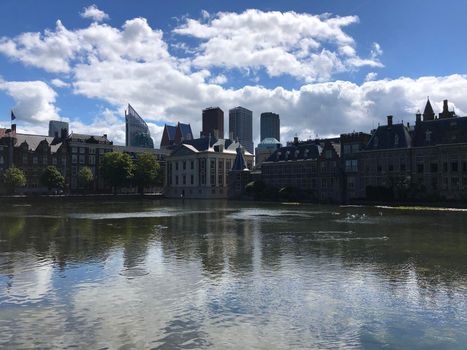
118,170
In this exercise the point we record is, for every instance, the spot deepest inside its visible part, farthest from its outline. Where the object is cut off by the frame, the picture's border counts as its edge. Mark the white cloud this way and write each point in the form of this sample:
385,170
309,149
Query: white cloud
94,13
34,100
305,46
59,83
371,76
133,64
219,79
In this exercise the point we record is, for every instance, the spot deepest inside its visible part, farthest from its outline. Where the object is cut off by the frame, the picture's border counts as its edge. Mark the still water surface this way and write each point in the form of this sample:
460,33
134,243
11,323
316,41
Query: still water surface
231,275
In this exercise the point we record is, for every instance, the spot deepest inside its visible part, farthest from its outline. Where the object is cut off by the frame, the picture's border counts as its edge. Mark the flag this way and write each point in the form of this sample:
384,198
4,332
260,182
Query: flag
13,117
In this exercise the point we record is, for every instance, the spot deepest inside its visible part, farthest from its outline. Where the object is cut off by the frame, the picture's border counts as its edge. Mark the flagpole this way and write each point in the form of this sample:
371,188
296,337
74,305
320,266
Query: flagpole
10,153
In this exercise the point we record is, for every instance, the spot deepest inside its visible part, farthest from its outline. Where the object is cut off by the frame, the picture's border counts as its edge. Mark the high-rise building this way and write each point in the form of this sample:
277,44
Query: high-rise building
213,123
137,131
58,128
270,126
241,127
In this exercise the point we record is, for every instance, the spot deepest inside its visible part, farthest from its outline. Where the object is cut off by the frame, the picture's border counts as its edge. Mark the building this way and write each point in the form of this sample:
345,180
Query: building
173,136
264,149
58,128
427,161
241,127
238,176
86,151
199,168
32,154
137,131
312,168
270,126
351,146
213,123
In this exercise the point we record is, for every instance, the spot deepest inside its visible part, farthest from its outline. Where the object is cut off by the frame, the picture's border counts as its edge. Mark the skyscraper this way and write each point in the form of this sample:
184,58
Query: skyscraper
58,128
213,123
137,131
241,127
270,126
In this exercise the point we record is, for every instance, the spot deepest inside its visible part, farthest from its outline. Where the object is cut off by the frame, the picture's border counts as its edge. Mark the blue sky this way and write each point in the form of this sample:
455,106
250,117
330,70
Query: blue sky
325,66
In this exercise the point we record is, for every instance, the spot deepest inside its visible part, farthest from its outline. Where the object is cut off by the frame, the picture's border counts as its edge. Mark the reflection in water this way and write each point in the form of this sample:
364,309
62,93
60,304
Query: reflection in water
199,274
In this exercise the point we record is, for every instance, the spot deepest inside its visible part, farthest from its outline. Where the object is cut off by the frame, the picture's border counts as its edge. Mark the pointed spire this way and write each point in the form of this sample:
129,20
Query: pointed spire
428,113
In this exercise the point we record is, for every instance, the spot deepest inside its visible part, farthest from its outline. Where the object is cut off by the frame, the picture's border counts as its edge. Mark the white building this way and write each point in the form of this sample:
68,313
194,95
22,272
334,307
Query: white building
199,168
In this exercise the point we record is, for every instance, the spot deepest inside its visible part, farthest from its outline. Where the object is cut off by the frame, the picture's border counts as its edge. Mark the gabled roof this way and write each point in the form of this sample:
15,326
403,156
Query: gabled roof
390,137
33,141
171,130
185,130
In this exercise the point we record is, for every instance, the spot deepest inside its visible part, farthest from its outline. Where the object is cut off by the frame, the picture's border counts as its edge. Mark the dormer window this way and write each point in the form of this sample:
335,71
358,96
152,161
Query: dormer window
297,153
396,140
375,141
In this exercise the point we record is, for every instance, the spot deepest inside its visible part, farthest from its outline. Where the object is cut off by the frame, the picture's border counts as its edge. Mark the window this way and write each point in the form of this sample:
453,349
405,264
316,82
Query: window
44,160
420,168
91,151
82,150
328,154
454,166
74,159
396,140
445,167
192,165
184,165
390,167
192,177
54,160
347,149
213,172
74,149
355,148
81,159
74,170
25,158
455,182
35,160
176,166
434,167
176,180
184,179
92,160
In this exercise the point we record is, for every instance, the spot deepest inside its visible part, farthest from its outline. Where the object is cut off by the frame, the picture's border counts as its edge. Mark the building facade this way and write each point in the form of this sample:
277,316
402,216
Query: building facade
137,131
241,127
270,126
311,167
199,168
213,123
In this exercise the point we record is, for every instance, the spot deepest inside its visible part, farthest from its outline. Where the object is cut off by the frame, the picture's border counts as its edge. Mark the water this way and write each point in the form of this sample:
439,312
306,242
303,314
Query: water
231,275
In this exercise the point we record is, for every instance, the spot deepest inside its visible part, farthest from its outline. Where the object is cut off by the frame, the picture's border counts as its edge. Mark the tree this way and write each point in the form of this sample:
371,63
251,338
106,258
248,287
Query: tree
14,178
147,171
52,178
117,169
85,178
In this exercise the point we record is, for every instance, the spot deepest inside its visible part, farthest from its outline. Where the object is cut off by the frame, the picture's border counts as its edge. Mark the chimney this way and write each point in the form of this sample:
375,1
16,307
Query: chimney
295,140
445,107
105,135
389,120
418,117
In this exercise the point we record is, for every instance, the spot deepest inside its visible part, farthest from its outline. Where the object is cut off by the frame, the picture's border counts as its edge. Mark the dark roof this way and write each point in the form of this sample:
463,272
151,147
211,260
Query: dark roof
296,152
185,130
89,138
171,130
428,108
440,131
390,136
201,144
33,141
239,162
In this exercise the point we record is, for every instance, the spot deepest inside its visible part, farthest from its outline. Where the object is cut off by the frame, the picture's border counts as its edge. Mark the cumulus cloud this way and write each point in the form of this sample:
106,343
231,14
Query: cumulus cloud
302,45
59,83
34,100
94,13
133,64
371,76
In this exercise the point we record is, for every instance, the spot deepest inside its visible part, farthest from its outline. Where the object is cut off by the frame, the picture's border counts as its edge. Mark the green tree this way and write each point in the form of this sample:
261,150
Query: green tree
147,171
117,169
85,178
52,178
14,178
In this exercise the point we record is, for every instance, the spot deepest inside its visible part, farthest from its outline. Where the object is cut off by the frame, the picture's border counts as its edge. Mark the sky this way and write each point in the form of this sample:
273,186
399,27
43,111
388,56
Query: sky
326,67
